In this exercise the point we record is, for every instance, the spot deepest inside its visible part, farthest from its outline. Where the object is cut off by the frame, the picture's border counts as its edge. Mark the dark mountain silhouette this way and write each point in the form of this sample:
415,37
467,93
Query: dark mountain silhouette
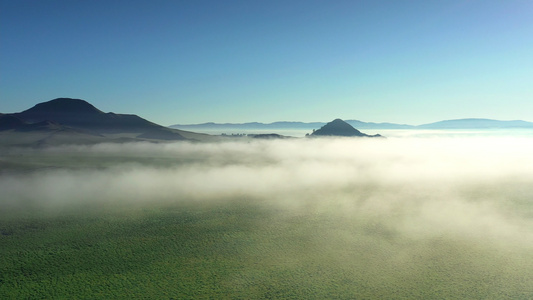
66,120
80,114
16,132
8,122
338,127
62,105
43,126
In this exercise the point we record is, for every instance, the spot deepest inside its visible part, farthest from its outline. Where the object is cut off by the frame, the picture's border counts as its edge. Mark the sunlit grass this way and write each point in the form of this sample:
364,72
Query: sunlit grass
242,250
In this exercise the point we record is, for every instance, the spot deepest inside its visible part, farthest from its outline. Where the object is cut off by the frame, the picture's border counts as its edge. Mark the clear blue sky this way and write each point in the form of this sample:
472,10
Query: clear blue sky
238,61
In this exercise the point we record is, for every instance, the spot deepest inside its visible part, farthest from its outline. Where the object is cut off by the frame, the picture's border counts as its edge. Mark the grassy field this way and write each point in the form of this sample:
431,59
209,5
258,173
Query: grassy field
279,242
241,250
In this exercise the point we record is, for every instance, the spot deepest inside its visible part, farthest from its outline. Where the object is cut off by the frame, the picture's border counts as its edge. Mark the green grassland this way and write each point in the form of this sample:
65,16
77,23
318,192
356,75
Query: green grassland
240,247
240,250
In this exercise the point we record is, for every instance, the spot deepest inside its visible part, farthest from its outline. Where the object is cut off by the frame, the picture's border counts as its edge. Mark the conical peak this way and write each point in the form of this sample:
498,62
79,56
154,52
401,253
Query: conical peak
338,127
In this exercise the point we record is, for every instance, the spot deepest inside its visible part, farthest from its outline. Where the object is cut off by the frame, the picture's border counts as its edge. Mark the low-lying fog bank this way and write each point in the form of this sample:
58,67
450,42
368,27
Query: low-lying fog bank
469,186
388,196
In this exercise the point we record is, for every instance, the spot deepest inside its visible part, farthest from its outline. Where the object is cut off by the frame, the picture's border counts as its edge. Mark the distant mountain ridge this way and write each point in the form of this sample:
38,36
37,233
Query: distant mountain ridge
67,121
471,123
251,125
474,123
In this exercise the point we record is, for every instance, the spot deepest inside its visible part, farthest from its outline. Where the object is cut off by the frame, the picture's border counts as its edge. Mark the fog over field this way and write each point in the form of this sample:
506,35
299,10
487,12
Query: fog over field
474,188
385,209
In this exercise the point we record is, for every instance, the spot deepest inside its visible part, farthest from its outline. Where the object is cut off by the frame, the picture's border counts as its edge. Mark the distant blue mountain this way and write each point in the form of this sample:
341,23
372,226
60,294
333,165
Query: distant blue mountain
251,125
371,125
476,124
286,125
447,124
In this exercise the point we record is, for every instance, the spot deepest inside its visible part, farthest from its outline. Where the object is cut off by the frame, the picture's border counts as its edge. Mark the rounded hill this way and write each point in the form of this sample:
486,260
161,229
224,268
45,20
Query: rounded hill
63,105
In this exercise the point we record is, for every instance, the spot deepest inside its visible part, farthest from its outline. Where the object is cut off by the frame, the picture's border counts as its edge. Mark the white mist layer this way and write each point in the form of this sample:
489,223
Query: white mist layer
466,188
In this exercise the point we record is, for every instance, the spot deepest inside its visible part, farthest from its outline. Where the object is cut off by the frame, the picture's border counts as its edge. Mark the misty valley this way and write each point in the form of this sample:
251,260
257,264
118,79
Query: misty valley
266,149
344,218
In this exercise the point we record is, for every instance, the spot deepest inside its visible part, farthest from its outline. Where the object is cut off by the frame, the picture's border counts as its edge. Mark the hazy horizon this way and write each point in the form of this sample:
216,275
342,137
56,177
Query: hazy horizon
389,133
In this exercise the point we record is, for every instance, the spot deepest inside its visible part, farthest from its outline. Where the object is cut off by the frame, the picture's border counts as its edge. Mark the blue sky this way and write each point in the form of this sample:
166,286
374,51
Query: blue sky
239,61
